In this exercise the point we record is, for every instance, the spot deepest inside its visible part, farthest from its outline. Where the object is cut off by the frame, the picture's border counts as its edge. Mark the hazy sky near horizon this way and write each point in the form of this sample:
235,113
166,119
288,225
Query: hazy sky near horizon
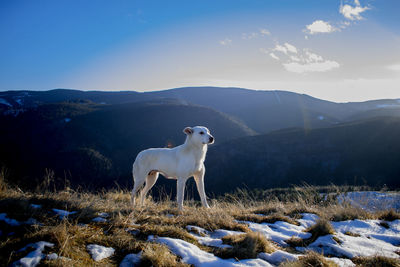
338,50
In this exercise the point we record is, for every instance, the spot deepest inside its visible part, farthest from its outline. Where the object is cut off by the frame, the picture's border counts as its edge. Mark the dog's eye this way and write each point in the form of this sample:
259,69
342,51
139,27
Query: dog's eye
201,133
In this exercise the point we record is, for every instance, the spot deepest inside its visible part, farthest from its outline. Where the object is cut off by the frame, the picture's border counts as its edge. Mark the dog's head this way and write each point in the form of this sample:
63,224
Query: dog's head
199,135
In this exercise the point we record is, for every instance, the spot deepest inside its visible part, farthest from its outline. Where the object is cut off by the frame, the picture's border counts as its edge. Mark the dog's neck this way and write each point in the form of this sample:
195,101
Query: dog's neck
201,149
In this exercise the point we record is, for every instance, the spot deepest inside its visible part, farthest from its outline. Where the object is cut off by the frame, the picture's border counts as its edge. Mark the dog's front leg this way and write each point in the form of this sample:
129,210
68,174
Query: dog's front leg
180,186
199,178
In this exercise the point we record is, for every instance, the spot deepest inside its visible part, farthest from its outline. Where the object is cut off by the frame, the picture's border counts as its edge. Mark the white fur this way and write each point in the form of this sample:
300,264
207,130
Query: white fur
181,163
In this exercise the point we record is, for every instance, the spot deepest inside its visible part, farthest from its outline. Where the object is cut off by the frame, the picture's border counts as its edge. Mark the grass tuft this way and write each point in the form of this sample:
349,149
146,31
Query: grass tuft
352,234
389,215
159,255
376,261
245,246
321,228
311,259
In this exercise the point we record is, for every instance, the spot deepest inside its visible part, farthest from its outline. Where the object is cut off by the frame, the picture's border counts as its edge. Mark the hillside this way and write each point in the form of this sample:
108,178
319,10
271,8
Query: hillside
95,145
262,111
362,152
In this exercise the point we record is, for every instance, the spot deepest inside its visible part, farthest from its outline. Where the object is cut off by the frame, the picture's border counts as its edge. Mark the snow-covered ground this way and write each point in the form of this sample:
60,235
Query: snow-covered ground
352,238
34,257
371,200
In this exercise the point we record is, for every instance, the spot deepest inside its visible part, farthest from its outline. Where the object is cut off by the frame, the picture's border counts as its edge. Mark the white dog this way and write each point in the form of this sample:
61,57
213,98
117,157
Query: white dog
181,163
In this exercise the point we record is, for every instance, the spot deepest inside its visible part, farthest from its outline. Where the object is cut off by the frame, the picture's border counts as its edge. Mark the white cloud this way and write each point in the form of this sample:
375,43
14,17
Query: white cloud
319,26
311,57
291,48
394,67
294,58
300,60
225,42
306,61
265,32
274,56
271,54
311,67
281,48
353,12
285,48
249,36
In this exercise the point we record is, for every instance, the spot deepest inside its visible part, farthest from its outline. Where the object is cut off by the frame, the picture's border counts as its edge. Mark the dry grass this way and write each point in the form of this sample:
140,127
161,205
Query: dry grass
389,215
376,261
244,246
352,234
265,219
345,212
311,259
72,235
159,255
320,228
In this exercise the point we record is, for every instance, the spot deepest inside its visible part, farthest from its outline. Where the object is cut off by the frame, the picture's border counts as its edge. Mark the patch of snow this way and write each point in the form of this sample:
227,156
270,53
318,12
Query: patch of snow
371,228
63,213
36,206
99,219
280,231
99,252
371,200
278,257
211,242
191,254
5,102
212,239
103,214
220,233
351,246
308,219
191,228
12,222
52,256
34,257
341,262
131,260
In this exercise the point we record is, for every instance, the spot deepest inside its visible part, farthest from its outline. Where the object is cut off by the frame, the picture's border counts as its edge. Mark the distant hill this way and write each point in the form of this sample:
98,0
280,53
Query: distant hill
361,153
262,111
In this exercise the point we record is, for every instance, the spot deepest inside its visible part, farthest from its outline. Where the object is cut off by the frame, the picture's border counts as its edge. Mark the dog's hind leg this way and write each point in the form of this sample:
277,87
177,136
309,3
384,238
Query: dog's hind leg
138,182
150,181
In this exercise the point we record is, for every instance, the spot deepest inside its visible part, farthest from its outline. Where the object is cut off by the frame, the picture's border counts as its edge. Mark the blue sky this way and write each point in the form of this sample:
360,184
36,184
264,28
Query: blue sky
345,50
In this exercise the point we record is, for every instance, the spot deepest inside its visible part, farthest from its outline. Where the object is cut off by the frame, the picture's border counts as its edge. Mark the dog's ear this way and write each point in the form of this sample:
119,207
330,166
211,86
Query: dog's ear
188,130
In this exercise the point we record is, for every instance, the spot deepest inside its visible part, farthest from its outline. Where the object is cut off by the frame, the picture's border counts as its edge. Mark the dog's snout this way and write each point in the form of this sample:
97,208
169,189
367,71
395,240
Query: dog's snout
211,139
